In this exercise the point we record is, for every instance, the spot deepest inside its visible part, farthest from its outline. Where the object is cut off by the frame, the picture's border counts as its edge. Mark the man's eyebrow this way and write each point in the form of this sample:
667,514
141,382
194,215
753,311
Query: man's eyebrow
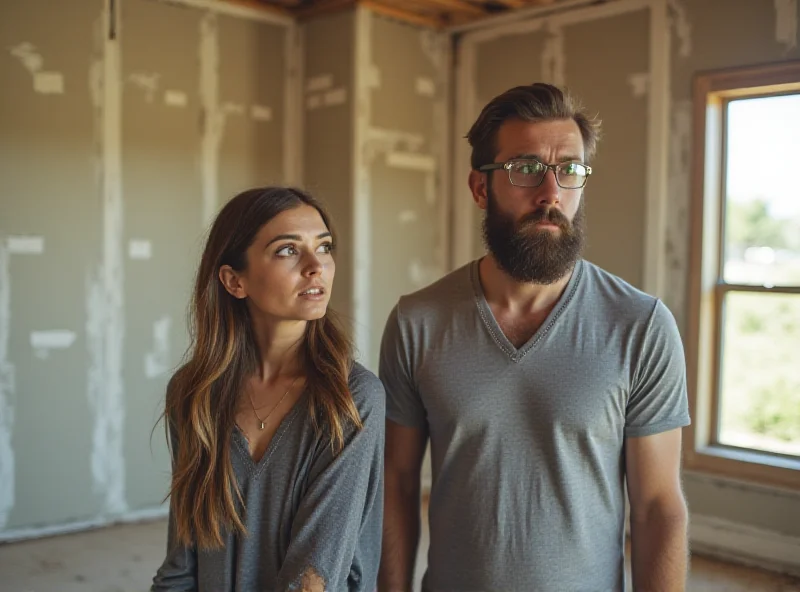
296,237
569,158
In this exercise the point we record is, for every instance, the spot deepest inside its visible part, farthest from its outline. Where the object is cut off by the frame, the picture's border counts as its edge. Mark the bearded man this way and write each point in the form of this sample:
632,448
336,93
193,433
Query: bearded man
544,383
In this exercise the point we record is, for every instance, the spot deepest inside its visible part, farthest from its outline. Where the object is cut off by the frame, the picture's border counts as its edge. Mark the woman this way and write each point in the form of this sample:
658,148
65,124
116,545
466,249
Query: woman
276,434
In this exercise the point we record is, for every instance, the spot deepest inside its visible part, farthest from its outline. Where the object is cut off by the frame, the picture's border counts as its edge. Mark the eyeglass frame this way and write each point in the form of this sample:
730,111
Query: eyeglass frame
507,166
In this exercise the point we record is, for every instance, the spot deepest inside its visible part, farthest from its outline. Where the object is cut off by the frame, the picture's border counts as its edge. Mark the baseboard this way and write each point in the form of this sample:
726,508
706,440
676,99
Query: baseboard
144,515
744,544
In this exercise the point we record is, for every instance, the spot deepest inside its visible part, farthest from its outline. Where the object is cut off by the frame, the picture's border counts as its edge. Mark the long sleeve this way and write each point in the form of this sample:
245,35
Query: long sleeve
179,570
336,533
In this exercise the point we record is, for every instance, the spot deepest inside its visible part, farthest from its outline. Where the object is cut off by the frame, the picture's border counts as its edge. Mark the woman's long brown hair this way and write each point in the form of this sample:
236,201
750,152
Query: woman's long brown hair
202,395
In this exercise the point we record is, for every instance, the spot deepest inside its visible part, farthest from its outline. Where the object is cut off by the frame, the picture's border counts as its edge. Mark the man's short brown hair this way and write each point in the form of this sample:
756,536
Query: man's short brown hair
534,102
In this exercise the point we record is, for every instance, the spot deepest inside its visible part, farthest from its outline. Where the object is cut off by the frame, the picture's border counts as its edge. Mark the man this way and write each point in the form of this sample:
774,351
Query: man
543,382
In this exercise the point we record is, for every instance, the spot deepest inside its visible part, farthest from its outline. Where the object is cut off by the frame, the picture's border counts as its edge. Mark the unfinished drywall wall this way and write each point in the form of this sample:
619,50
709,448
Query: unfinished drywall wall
329,71
403,155
50,243
611,83
755,32
115,157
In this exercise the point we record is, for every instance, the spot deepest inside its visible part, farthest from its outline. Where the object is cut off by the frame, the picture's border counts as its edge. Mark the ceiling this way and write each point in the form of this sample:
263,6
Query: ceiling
434,13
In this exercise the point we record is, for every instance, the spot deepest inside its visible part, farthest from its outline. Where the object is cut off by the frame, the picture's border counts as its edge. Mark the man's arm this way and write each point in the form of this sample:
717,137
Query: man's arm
659,517
405,448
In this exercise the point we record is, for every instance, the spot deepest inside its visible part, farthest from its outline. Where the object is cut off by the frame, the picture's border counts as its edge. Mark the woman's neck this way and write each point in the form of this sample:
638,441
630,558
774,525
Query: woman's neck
279,348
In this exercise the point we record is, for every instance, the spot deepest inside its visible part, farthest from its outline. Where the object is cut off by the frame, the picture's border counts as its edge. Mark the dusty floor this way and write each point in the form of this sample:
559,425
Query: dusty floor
124,558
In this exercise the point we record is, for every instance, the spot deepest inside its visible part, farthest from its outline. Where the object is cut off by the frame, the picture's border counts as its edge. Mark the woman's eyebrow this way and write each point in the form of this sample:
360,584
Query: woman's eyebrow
295,237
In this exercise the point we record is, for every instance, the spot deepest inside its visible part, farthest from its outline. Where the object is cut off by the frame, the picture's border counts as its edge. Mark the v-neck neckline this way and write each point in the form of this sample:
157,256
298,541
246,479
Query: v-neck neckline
239,438
491,324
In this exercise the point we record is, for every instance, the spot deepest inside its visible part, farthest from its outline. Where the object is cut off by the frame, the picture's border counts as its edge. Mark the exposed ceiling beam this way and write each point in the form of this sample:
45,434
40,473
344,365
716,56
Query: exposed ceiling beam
264,6
454,5
324,7
403,15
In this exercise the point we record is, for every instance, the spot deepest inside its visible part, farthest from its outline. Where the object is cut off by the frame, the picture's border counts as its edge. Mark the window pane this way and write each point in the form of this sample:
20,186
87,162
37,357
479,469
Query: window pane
762,208
760,386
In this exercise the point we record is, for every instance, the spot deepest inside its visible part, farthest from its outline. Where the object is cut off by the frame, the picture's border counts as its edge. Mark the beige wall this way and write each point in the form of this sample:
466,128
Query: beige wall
107,145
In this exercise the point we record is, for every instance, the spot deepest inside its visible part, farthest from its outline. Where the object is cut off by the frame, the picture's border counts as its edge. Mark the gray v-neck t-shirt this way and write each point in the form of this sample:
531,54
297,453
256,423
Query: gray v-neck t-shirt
305,509
527,443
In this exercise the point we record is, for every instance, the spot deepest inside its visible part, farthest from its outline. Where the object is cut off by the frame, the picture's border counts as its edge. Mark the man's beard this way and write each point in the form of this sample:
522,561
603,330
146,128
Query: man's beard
530,254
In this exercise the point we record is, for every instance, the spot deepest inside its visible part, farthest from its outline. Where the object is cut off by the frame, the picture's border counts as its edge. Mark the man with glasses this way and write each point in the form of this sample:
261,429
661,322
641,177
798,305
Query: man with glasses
543,382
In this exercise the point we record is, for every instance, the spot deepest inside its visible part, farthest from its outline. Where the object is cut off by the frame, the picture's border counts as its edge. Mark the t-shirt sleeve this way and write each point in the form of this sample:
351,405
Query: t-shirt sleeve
403,403
178,572
658,400
336,531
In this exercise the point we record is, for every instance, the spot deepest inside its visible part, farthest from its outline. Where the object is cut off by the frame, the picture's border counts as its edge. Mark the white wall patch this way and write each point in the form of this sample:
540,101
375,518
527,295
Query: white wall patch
415,162
313,102
553,61
374,76
175,98
146,81
682,26
425,87
336,97
261,113
156,362
30,59
407,217
318,83
639,83
48,83
44,341
786,23
140,249
25,245
7,473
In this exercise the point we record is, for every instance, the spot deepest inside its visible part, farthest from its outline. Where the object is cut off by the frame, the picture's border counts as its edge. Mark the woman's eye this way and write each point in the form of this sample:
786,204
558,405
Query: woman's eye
286,251
325,248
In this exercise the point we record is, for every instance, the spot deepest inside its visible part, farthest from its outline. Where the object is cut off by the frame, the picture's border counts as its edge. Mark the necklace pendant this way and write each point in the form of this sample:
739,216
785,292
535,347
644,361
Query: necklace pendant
261,427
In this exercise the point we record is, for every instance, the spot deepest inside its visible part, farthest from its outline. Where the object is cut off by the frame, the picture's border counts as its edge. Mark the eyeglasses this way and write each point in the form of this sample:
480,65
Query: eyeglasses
529,172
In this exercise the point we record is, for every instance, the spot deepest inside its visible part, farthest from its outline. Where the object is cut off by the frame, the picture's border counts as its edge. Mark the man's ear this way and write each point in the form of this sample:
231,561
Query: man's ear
478,184
232,282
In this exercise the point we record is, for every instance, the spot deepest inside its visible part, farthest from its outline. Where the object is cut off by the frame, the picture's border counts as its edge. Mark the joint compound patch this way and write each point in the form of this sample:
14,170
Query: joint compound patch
25,245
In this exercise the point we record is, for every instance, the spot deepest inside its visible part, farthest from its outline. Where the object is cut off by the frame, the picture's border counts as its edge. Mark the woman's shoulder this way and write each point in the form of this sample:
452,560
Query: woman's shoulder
366,389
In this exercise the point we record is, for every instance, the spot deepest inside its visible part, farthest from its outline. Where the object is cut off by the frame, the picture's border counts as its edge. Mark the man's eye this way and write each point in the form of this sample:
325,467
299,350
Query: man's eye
529,168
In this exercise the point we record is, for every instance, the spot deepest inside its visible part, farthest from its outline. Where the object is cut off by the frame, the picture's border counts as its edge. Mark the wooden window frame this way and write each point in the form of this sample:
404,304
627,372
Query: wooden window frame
712,91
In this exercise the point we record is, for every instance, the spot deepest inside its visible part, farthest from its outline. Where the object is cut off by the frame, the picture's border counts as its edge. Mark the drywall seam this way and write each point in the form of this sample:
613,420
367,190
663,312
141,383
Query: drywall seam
105,304
156,362
658,99
234,9
213,117
786,24
293,107
679,191
679,20
7,473
362,116
462,234
440,145
553,60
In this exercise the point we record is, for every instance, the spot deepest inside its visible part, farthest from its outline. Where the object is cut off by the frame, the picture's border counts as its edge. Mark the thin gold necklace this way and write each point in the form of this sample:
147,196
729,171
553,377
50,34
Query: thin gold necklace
261,421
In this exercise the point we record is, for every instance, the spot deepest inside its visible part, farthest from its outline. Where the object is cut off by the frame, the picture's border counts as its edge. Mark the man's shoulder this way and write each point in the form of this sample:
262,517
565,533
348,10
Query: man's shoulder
610,292
442,296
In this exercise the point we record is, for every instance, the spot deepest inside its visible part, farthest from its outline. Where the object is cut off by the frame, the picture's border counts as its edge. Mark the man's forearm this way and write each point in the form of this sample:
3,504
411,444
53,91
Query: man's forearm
401,525
659,553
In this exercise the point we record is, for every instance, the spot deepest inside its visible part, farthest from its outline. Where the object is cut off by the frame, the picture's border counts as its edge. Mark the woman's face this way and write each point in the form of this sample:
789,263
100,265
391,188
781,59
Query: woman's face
290,268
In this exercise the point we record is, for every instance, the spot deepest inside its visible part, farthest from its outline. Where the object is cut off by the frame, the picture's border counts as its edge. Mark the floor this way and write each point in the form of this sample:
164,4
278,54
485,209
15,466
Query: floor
124,558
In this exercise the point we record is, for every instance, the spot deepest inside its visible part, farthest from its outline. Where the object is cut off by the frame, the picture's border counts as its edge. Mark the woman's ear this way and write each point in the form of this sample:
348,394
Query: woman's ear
232,282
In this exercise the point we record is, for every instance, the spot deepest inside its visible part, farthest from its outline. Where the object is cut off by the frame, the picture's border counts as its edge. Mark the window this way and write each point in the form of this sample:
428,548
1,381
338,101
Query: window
743,346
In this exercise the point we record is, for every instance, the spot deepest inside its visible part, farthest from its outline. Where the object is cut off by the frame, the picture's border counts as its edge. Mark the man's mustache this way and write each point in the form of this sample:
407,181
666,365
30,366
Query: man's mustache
547,214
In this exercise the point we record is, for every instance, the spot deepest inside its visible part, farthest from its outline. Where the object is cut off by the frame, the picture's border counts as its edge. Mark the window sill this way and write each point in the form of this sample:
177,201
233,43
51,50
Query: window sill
748,465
